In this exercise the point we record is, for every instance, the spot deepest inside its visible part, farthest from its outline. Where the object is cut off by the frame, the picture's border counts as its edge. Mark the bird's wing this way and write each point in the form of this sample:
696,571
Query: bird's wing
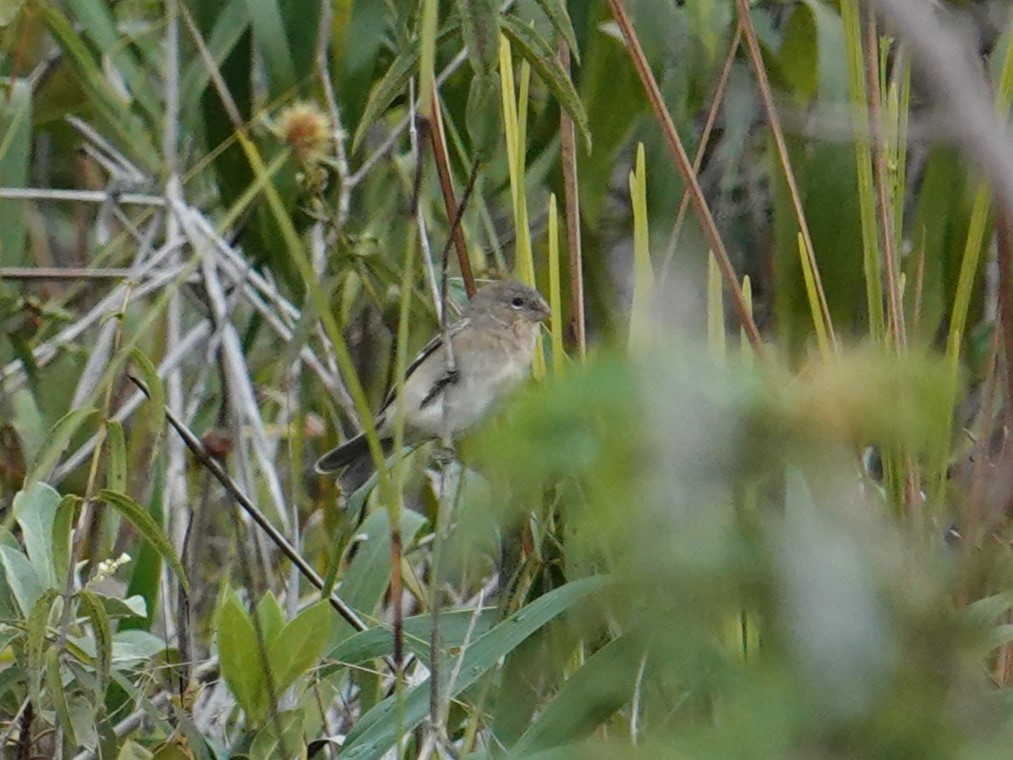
441,382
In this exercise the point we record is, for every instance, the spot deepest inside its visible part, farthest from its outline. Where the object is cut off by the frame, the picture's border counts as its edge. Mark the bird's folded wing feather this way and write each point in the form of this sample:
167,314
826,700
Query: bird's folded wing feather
442,381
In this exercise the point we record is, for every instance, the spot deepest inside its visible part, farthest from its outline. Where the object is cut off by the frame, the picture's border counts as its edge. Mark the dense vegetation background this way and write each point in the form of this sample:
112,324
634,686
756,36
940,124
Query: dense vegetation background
755,502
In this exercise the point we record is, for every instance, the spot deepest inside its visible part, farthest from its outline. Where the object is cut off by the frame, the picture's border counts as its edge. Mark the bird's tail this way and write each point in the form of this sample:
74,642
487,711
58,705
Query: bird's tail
347,453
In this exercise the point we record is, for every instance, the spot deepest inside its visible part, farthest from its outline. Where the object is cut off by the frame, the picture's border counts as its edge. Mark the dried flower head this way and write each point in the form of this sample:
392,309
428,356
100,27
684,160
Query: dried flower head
307,130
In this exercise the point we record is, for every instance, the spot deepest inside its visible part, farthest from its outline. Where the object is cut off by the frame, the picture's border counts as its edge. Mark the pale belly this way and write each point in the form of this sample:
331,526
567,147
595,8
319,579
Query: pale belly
464,403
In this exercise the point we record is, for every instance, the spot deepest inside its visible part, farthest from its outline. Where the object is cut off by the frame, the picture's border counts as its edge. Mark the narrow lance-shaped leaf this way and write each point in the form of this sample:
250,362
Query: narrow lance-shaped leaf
56,441
267,745
116,115
542,59
63,528
480,28
97,22
145,524
102,630
231,24
15,150
641,323
57,695
116,475
586,699
377,731
269,32
480,115
560,18
271,617
36,626
393,83
367,577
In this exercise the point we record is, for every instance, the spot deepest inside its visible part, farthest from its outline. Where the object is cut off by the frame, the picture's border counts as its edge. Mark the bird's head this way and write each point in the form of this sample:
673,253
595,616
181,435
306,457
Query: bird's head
510,301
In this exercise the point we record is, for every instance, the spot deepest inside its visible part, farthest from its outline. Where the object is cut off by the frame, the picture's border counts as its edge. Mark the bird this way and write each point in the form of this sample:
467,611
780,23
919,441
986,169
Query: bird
492,345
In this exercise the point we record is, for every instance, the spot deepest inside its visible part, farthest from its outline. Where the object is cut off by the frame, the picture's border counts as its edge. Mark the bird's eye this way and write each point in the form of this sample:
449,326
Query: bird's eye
517,302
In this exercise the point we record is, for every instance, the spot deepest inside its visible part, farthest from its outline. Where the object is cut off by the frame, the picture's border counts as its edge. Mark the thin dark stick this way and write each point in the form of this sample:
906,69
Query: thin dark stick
701,151
1004,244
767,96
571,201
197,449
454,209
454,226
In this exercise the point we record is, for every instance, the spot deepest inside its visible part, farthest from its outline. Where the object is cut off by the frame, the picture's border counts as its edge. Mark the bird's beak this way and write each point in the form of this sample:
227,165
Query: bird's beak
544,311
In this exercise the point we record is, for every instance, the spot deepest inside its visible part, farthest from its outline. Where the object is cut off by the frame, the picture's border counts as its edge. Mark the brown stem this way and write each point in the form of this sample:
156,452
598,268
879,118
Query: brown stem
682,163
1004,244
708,127
439,141
756,57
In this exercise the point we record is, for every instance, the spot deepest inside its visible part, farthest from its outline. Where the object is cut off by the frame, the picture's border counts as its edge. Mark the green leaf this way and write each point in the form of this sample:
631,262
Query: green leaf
15,152
135,646
799,53
115,114
543,60
560,19
368,576
299,645
271,618
585,700
132,606
145,524
266,744
156,398
393,84
708,22
22,578
377,731
988,611
480,28
116,475
35,510
96,612
63,531
56,441
379,641
269,33
146,568
25,415
57,695
480,115
97,23
301,22
240,658
132,751
36,638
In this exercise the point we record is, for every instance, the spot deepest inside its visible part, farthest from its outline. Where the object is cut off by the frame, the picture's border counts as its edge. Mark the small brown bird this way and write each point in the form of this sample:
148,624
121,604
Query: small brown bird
492,344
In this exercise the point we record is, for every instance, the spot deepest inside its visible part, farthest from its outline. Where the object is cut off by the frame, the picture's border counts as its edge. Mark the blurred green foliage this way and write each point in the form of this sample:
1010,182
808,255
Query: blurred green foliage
701,551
